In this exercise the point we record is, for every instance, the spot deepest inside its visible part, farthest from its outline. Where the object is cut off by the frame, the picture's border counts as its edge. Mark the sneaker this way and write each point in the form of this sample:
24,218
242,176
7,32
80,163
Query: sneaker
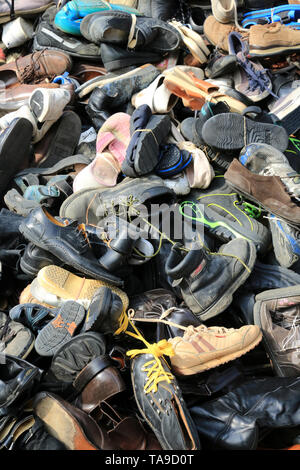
272,39
223,214
192,272
203,348
276,312
286,241
285,14
264,159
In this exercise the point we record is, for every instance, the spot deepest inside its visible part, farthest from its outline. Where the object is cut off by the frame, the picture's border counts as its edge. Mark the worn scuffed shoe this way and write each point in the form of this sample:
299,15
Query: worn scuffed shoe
286,241
203,348
271,39
207,282
276,312
264,159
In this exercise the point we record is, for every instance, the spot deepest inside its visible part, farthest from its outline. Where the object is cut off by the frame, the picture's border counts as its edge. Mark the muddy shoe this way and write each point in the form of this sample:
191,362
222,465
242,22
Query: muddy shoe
15,338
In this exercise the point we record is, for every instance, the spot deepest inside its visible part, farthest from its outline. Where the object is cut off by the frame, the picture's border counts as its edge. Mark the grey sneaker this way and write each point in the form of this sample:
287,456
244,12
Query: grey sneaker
286,241
264,159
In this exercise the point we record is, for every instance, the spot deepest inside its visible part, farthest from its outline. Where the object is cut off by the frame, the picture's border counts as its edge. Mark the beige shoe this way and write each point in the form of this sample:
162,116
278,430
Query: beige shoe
203,348
223,10
157,96
272,39
193,41
199,173
217,33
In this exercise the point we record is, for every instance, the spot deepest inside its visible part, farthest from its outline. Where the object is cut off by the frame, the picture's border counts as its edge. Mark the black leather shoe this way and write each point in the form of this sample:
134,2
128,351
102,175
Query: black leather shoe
100,101
149,33
17,377
120,249
104,312
68,242
115,57
35,258
207,282
30,433
161,9
163,408
14,150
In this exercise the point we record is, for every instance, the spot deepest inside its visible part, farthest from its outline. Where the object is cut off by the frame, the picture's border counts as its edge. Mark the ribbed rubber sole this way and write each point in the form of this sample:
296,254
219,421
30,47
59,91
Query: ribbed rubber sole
231,131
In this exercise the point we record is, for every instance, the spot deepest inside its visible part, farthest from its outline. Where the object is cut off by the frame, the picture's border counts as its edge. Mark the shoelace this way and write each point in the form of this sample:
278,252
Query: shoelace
215,330
82,236
29,72
257,78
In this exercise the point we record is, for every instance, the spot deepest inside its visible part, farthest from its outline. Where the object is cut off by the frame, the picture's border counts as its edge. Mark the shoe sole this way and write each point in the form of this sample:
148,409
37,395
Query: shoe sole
267,52
73,356
60,329
61,425
217,362
221,305
68,286
38,47
230,131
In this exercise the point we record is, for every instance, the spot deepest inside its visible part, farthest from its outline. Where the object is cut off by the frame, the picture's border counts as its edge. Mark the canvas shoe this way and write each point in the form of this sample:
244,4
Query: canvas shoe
203,348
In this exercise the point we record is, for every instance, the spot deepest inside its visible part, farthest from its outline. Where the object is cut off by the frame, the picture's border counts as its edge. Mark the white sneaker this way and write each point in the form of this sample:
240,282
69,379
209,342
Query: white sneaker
48,104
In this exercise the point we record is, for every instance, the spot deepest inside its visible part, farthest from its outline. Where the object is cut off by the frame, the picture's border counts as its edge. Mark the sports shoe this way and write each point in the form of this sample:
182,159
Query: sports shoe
223,214
48,105
286,241
203,348
285,14
276,312
287,111
272,39
264,159
224,273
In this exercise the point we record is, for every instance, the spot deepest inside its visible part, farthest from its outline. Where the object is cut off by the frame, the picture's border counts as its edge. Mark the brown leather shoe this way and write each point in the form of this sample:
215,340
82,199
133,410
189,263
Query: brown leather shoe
74,428
14,97
276,312
268,191
34,68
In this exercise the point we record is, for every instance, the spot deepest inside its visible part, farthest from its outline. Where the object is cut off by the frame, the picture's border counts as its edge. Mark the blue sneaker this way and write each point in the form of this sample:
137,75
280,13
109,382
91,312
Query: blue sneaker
69,18
285,14
286,242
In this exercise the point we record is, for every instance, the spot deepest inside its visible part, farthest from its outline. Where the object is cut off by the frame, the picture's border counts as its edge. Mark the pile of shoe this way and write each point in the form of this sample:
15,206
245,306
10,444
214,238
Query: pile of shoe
149,225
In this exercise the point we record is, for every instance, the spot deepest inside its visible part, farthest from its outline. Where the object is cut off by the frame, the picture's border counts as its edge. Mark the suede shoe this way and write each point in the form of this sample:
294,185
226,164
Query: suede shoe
207,282
267,191
67,241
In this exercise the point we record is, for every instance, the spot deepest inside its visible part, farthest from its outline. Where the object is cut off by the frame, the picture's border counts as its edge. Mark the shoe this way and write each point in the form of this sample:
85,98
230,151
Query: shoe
267,191
197,269
67,423
60,285
153,385
286,241
14,150
223,10
59,330
73,356
224,216
217,33
33,316
220,65
23,9
14,97
276,312
266,40
231,131
199,172
162,10
17,379
47,36
116,58
172,161
104,312
69,18
35,258
16,33
266,402
148,33
48,105
287,111
15,338
157,96
93,205
68,242
193,42
204,348
35,67
264,159
250,78
284,14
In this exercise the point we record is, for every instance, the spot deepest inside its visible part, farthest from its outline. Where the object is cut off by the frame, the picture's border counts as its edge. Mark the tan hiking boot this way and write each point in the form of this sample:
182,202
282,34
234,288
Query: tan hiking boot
203,348
217,33
272,39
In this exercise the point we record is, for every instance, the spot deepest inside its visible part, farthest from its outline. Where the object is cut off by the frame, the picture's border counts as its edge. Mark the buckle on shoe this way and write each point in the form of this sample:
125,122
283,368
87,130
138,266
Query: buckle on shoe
284,17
